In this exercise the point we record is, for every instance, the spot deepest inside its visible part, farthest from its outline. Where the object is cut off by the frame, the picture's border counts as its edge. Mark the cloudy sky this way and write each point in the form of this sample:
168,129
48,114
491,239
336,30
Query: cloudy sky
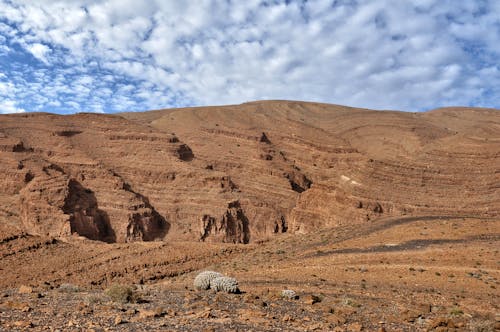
129,55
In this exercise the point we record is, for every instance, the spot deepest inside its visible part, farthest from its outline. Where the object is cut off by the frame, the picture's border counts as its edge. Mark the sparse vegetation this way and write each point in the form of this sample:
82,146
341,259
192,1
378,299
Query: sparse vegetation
351,303
289,294
204,279
93,299
226,284
122,294
456,311
216,281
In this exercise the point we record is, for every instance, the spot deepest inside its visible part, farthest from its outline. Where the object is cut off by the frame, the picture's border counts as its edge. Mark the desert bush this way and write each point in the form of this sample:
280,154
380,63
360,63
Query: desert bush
94,299
288,294
226,284
456,311
350,302
122,294
203,280
68,288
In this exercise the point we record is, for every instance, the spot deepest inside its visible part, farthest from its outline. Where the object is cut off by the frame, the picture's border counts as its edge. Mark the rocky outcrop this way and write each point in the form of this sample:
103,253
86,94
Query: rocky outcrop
9,144
55,203
264,139
85,217
298,181
232,226
147,225
184,152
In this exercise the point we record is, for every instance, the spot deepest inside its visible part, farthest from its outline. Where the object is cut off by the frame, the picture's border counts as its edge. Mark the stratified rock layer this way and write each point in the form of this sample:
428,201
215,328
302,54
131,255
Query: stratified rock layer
243,173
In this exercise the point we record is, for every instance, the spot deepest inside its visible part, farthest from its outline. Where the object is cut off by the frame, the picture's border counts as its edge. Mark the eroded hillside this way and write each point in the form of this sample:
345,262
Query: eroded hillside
243,173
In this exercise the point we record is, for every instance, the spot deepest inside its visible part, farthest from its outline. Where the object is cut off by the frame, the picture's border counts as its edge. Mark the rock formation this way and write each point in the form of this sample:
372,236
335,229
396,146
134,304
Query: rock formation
283,166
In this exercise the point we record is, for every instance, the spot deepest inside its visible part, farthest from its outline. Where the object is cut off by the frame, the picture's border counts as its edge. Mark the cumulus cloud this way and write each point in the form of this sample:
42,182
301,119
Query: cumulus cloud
9,106
124,55
39,51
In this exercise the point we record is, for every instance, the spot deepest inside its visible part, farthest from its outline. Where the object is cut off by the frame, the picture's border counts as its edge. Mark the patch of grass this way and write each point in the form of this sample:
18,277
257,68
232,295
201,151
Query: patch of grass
456,311
122,294
93,299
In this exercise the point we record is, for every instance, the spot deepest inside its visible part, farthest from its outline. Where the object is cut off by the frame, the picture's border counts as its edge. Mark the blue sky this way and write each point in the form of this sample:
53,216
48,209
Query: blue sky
128,55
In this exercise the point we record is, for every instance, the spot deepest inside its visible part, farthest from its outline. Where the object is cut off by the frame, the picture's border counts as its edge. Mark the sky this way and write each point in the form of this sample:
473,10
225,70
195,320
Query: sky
129,55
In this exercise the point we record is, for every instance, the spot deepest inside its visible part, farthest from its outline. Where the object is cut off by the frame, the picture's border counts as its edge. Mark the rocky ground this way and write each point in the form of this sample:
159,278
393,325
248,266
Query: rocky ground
413,274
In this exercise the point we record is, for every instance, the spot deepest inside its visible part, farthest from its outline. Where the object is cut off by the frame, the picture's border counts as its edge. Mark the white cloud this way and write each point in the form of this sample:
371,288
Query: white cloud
10,106
125,54
39,51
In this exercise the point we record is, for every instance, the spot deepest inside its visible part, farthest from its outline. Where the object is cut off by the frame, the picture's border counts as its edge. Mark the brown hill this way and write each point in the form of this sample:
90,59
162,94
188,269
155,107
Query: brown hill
243,173
390,220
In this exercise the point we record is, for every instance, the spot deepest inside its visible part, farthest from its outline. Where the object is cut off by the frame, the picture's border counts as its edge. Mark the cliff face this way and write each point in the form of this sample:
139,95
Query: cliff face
232,226
243,173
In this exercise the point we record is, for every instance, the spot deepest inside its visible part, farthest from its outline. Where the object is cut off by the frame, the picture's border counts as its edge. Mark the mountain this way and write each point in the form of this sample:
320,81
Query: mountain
243,173
371,220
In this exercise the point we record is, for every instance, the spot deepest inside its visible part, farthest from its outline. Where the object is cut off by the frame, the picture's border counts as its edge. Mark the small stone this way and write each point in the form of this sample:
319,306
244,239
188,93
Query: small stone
381,329
336,319
118,320
312,299
38,296
354,327
23,324
315,327
131,312
157,312
410,315
26,308
346,311
439,321
287,318
25,290
206,313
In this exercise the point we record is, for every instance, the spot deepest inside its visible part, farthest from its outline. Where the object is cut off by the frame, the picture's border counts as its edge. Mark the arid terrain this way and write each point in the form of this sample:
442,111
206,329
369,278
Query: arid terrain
378,220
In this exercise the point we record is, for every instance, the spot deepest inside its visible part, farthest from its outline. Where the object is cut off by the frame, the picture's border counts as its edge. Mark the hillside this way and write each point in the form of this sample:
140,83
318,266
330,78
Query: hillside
243,173
352,203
